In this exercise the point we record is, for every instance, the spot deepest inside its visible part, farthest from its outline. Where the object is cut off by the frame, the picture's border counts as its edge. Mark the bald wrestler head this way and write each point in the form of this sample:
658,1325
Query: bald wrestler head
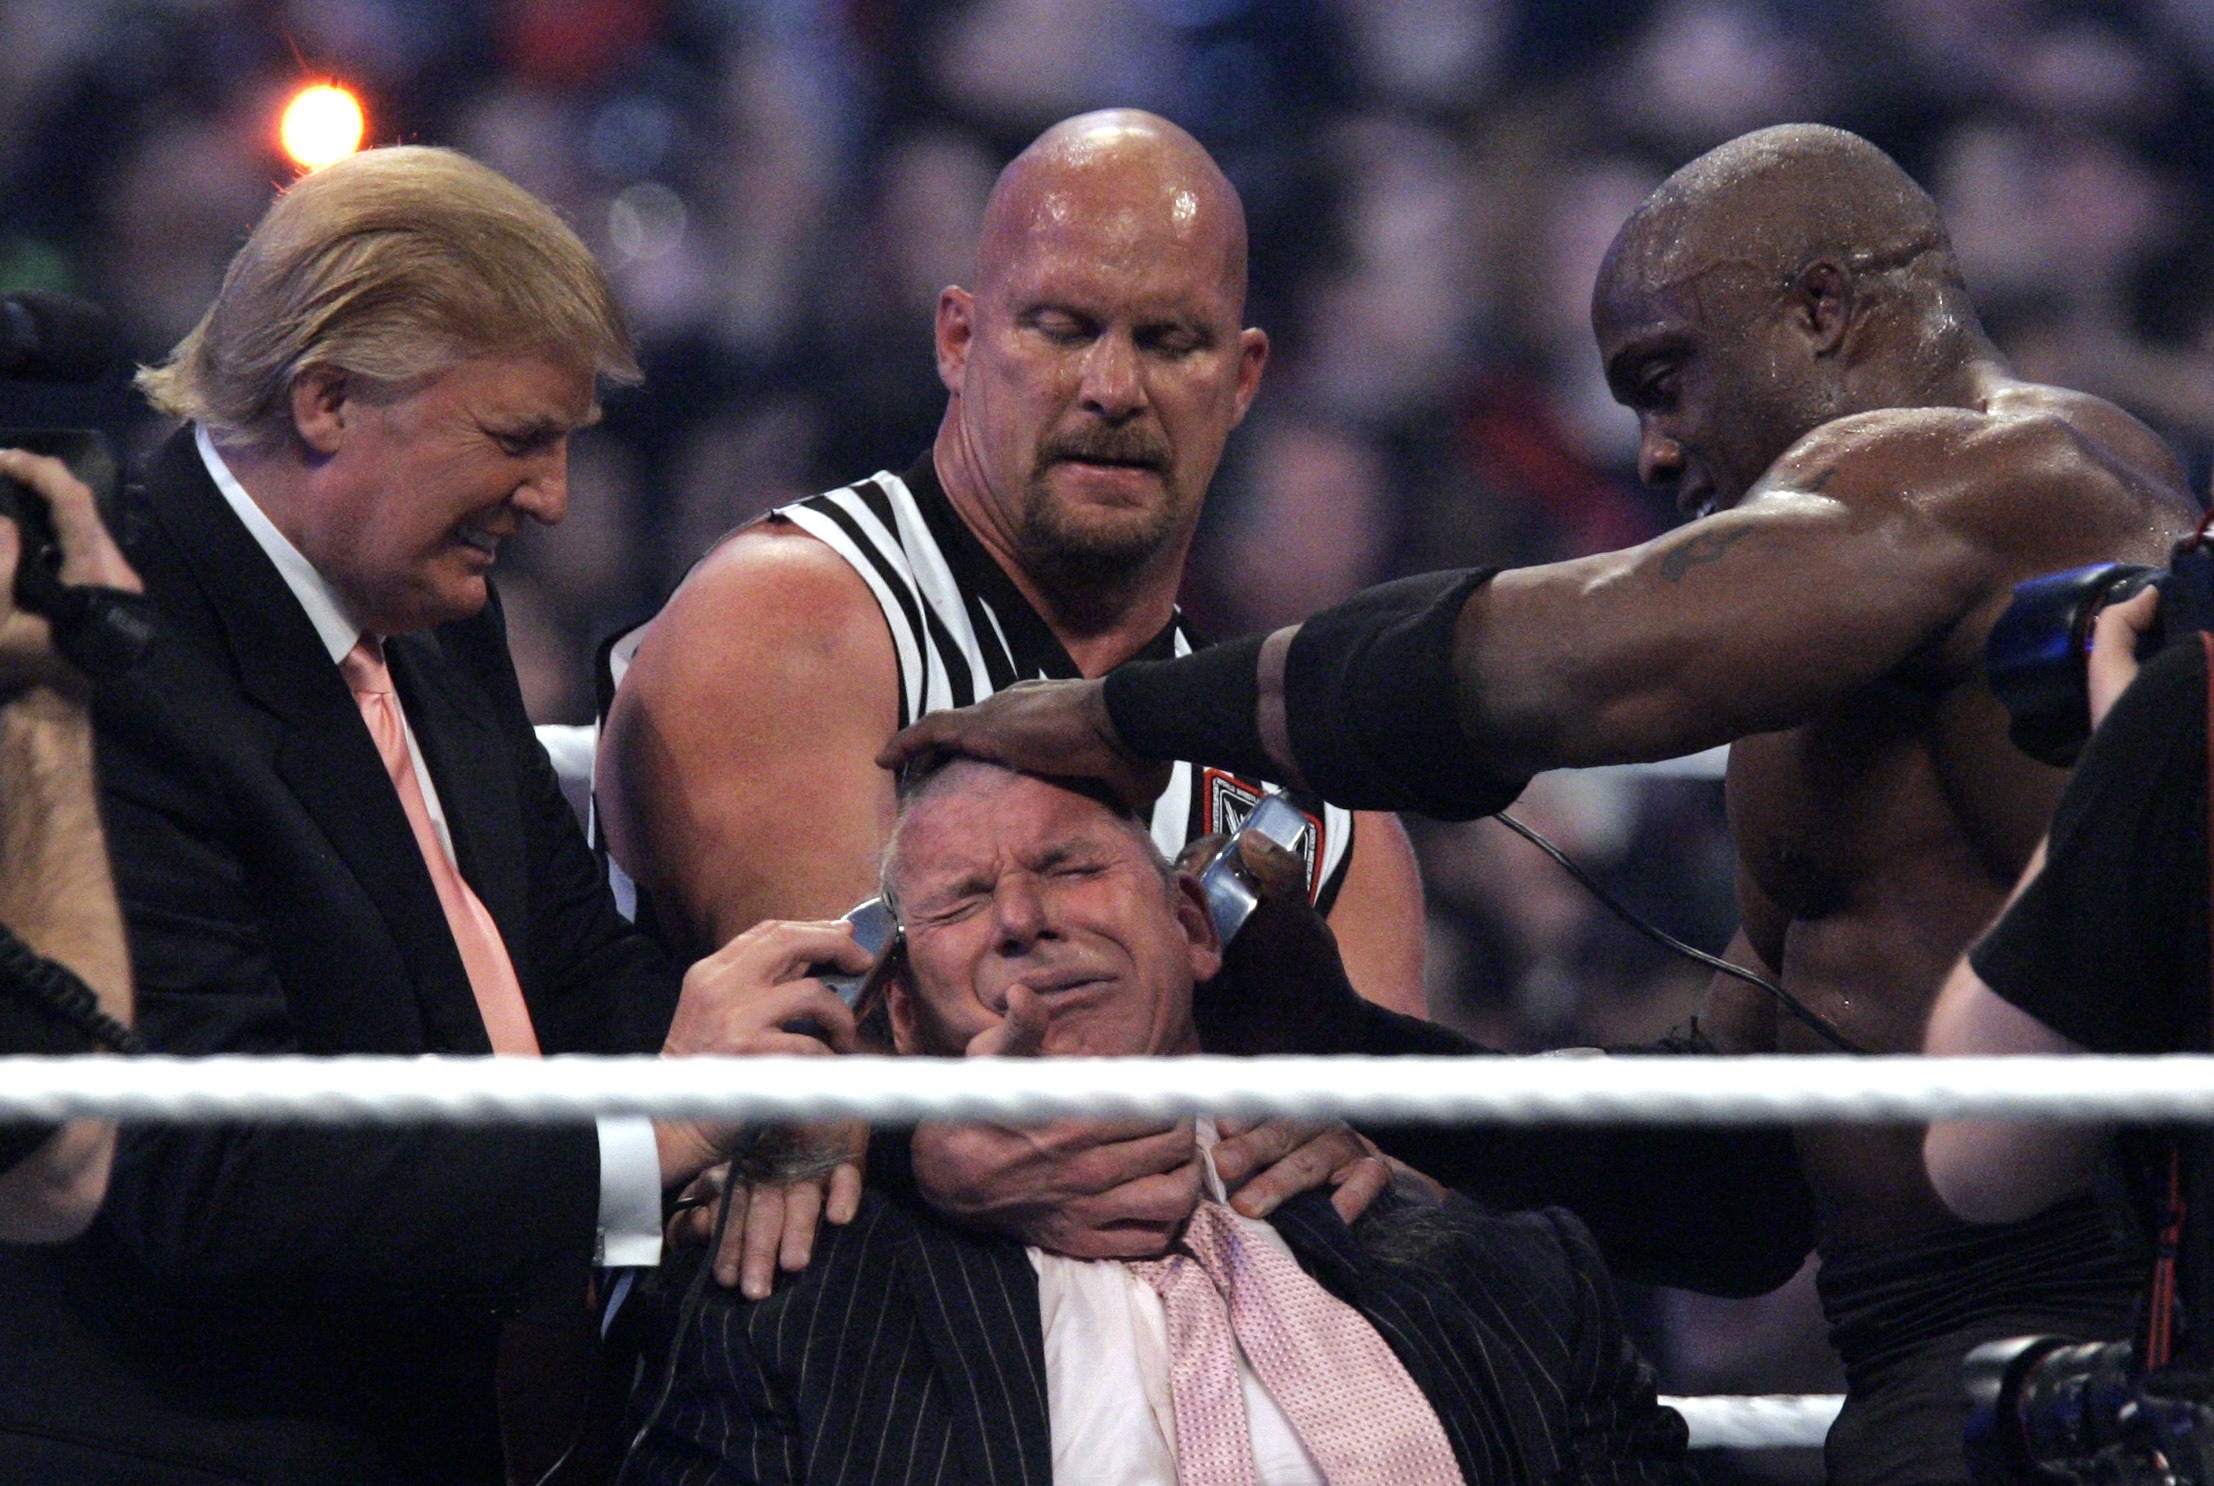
1099,362
1788,278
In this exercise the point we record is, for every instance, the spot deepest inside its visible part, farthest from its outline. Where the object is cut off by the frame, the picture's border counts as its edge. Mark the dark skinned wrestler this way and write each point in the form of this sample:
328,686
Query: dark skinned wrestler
1866,482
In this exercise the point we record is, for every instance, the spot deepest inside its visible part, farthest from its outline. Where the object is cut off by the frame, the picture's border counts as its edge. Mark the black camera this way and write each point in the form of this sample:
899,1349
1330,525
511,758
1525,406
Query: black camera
2044,1408
38,585
2036,655
102,631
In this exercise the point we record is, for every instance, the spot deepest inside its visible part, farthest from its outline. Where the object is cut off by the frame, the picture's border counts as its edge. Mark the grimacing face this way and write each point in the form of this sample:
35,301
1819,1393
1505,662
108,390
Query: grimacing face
1721,388
1008,880
415,493
1099,371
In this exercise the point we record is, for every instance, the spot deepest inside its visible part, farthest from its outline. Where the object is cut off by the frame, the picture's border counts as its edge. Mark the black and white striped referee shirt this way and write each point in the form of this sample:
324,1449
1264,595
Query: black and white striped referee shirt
961,631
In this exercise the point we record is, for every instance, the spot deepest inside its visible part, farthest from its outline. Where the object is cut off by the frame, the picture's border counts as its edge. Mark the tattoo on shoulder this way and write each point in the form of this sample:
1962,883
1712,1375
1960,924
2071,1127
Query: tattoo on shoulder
1700,550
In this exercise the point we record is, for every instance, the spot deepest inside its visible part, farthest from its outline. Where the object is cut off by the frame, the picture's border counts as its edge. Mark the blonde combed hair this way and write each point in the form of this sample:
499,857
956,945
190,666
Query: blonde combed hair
391,266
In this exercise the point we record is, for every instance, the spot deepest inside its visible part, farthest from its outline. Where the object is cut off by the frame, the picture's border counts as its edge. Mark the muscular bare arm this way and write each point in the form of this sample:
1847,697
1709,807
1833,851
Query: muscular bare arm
736,775
736,786
1877,541
1880,548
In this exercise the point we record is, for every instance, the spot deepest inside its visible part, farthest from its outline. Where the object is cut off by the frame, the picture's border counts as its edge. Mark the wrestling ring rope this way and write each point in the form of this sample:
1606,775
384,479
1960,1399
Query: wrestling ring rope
1547,1089
1554,1088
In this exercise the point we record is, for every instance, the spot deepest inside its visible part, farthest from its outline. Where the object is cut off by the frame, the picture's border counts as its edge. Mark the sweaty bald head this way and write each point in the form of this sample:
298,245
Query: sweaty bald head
1750,215
1788,278
1099,363
1119,181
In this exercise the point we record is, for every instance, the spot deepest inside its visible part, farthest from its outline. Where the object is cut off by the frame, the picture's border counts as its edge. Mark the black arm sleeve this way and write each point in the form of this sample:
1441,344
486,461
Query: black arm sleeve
1198,707
2108,947
1369,699
1720,1211
1369,703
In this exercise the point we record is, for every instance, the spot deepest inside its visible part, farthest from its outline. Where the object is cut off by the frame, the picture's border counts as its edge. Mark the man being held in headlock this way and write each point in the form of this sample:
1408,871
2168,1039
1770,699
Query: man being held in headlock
1428,1343
1092,377
1866,481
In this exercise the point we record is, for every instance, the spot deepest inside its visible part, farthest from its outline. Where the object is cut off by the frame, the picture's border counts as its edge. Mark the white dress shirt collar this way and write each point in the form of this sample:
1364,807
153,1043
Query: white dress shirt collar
325,609
1109,1410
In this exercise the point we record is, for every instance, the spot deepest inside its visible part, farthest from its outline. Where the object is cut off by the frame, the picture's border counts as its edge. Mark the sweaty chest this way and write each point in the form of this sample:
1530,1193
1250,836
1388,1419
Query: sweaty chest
1827,813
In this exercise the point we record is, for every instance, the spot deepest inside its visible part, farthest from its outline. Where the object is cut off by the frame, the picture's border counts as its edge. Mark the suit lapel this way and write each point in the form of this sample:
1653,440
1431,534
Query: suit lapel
978,1300
1324,1245
1417,1331
324,752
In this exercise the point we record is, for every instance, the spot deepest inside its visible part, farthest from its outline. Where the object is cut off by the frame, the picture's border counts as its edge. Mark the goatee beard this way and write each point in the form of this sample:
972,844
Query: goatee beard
1086,568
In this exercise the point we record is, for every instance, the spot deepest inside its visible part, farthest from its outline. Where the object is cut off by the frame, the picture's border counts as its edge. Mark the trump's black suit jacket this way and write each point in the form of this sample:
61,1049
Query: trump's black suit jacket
910,1351
288,1303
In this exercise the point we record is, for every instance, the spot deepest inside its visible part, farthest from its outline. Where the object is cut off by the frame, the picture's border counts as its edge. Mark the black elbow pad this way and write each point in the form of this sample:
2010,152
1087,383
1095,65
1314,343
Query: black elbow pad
1369,702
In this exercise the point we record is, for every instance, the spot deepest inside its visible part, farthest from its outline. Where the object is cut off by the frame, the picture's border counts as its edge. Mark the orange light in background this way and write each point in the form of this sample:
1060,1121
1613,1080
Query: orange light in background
322,124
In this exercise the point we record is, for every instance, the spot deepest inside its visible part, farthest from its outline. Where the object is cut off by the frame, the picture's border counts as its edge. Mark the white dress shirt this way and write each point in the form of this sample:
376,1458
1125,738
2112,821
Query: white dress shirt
1107,1371
630,1162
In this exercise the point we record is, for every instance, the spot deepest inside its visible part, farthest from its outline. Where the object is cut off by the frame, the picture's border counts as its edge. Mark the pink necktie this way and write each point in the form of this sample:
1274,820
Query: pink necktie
483,954
1351,1402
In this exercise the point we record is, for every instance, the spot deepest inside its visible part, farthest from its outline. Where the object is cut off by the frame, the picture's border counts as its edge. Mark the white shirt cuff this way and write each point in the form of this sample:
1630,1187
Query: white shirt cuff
630,1193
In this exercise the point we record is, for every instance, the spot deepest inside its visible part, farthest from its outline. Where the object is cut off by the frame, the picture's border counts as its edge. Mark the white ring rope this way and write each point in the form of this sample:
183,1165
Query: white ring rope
1552,1089
1758,1421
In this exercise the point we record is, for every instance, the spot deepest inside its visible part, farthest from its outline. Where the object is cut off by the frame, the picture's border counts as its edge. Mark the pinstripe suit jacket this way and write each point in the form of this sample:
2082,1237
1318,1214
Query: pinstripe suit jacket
913,1352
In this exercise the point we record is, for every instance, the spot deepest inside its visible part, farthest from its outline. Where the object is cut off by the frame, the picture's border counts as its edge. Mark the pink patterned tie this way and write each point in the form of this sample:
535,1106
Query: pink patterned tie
1351,1402
483,953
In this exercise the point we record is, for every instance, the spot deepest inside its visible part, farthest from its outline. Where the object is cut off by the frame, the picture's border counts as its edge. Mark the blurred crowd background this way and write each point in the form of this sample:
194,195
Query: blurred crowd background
781,187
